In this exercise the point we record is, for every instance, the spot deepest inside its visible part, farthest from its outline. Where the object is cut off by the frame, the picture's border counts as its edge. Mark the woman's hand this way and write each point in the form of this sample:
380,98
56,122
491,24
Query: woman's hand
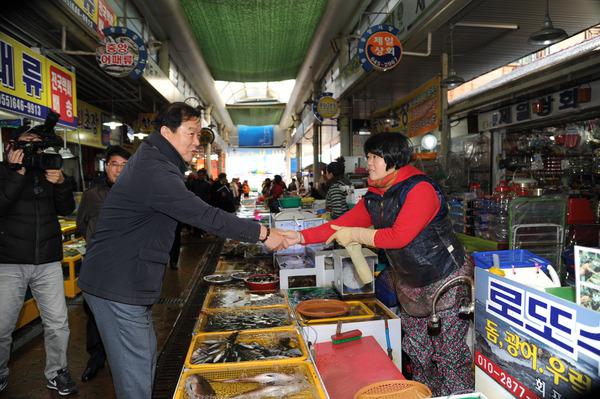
347,235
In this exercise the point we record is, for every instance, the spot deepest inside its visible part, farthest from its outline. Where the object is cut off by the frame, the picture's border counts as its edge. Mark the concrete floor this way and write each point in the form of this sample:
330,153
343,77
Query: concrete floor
26,378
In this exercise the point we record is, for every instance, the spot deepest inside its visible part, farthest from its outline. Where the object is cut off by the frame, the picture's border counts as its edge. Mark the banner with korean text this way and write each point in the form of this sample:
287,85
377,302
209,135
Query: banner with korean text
31,84
530,344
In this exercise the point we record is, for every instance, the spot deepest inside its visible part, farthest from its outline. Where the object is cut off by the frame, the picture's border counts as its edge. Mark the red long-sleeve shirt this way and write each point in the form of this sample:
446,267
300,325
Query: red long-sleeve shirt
419,209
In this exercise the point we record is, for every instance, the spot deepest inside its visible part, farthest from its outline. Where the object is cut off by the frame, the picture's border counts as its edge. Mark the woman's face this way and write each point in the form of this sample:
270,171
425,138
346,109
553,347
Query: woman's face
377,167
328,175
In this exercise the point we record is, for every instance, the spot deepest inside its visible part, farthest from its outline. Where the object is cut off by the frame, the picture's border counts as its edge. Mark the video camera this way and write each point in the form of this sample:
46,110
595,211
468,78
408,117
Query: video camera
35,153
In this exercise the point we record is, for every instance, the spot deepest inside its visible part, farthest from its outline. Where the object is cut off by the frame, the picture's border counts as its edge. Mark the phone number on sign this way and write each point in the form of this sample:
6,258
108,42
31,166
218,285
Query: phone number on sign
17,104
508,382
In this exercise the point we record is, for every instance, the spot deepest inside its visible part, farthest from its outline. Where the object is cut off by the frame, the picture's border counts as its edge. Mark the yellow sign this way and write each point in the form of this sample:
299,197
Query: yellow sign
327,107
89,126
31,84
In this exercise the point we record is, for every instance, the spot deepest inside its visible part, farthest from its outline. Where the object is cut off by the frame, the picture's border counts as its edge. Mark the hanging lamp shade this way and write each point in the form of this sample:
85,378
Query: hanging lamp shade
113,123
66,153
452,80
548,34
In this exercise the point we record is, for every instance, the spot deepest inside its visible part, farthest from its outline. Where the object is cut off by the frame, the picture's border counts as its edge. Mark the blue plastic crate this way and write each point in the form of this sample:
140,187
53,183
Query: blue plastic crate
510,258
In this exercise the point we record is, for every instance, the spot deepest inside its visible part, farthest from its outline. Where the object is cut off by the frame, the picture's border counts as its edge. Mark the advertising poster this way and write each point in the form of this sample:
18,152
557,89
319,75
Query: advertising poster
587,277
530,344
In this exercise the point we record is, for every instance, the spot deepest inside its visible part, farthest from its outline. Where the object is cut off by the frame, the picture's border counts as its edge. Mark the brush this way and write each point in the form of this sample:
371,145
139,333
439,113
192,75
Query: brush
341,337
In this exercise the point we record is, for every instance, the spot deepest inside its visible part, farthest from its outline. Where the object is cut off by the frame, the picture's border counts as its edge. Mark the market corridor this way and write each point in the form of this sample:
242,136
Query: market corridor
27,362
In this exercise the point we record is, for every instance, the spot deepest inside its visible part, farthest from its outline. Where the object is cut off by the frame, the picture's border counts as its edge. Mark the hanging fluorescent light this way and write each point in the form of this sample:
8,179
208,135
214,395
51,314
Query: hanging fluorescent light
113,123
548,34
429,142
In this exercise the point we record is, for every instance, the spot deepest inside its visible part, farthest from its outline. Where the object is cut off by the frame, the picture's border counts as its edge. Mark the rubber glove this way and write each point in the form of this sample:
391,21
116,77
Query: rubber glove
360,263
346,235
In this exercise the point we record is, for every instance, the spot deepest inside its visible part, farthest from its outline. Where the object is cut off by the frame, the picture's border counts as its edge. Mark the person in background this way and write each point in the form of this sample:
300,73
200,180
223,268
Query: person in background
87,217
277,190
30,256
266,187
292,186
314,192
235,191
222,196
335,200
123,269
410,216
201,187
246,189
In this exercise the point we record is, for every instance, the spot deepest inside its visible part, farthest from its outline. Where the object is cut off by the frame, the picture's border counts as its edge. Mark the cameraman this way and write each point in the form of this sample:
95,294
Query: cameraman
31,254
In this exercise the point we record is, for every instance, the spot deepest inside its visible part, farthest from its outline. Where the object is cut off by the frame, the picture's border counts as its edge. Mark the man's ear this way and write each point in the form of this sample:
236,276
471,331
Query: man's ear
165,131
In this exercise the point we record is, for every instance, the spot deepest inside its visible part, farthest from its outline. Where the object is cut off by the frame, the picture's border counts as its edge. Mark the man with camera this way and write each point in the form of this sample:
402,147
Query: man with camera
33,191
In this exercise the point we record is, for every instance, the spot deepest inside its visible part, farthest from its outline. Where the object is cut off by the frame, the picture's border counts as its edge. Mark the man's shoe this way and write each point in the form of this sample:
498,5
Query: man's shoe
63,383
3,383
90,372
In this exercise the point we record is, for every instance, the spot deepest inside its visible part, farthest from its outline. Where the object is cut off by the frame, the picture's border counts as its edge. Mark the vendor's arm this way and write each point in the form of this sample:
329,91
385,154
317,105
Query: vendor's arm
420,207
355,217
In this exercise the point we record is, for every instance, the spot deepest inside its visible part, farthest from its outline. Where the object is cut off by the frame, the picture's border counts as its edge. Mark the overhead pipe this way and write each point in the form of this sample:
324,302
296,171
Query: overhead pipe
63,46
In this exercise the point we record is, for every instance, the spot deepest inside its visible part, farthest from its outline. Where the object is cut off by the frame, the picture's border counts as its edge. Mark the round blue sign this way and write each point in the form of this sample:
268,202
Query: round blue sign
379,48
122,53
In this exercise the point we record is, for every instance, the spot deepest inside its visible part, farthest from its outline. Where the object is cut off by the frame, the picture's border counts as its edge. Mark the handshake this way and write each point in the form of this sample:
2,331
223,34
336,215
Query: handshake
281,239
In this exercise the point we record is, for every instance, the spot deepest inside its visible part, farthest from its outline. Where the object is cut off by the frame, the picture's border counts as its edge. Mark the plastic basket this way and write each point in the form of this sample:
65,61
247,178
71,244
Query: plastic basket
241,298
510,258
289,202
393,389
207,319
358,312
215,377
267,338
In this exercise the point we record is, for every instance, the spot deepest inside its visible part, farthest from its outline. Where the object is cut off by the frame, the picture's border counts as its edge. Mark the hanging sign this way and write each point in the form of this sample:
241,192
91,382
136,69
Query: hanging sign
31,84
379,48
255,136
122,53
325,106
530,344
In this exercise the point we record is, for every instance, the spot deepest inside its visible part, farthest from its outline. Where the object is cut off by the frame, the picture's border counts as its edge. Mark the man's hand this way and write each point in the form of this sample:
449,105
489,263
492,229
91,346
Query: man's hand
276,241
16,157
347,235
292,237
55,176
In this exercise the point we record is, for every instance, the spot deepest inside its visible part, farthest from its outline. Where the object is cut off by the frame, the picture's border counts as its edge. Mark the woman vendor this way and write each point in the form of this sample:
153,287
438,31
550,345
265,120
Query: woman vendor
410,218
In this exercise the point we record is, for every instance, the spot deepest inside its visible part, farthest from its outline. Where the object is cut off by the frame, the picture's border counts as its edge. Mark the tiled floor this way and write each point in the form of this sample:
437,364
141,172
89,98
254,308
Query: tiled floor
27,363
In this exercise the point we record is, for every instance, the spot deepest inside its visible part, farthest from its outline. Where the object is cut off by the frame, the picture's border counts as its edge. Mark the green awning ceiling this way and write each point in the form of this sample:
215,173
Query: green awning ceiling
256,115
253,40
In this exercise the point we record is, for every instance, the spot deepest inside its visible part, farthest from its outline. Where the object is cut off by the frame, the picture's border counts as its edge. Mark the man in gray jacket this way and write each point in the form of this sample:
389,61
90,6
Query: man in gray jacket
124,266
87,217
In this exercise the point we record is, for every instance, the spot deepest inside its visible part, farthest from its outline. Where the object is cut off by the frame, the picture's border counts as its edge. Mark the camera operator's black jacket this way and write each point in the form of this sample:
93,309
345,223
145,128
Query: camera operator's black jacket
29,209
127,255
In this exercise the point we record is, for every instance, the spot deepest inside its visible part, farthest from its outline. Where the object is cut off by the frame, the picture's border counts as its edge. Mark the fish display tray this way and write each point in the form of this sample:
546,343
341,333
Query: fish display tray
267,337
358,312
230,389
207,320
258,265
241,298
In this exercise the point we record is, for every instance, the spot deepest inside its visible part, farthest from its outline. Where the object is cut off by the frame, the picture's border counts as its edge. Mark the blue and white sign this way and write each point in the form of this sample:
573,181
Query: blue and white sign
255,136
325,106
532,344
123,53
379,48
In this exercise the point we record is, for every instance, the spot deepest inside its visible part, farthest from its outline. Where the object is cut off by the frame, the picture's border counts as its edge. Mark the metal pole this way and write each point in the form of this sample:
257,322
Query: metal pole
445,132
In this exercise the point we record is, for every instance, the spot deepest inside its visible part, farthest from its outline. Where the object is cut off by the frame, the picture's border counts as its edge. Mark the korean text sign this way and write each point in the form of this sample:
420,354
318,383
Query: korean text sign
31,84
532,344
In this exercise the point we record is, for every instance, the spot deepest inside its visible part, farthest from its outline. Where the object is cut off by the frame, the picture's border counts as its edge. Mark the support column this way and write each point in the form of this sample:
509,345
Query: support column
445,127
316,152
344,120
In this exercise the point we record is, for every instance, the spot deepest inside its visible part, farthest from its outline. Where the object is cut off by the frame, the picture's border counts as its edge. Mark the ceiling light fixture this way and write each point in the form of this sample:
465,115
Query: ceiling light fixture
548,34
65,152
452,80
113,123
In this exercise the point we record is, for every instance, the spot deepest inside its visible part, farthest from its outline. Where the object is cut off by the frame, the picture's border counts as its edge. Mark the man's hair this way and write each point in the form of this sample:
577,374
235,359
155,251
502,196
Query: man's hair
277,179
336,168
173,115
394,148
222,176
116,150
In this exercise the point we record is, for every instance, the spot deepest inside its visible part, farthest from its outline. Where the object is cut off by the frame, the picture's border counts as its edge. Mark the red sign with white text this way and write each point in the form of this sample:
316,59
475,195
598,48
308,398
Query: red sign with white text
61,94
106,17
